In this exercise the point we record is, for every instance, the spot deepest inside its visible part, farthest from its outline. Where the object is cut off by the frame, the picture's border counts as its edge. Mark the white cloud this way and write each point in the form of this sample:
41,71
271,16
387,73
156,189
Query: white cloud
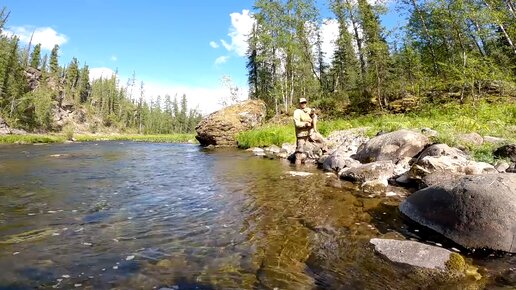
221,59
214,44
47,36
114,58
204,99
100,72
241,26
329,35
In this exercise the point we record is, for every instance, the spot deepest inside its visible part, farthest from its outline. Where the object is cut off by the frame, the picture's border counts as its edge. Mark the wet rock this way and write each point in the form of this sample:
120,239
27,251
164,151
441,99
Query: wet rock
412,253
338,160
220,128
257,151
475,211
512,168
392,146
375,173
506,151
272,152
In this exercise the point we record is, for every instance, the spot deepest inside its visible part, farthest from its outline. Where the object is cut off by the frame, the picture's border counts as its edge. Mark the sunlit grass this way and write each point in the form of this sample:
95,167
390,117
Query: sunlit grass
42,138
449,120
31,138
161,138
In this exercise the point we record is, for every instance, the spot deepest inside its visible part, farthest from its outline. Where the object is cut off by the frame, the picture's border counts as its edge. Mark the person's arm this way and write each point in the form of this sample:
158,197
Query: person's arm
297,120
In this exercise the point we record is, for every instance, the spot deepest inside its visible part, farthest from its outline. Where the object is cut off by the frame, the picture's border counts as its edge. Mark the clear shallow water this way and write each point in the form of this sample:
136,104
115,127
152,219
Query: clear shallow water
129,215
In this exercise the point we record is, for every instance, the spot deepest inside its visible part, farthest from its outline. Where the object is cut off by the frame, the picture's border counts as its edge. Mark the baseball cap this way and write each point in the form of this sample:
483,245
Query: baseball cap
302,100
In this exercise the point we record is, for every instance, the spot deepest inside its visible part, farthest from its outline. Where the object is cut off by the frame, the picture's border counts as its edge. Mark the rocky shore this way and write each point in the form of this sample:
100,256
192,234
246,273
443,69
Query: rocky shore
439,187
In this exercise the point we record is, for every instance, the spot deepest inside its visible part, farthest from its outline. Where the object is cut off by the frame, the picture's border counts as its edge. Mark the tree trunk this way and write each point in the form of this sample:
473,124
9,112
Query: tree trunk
502,28
428,36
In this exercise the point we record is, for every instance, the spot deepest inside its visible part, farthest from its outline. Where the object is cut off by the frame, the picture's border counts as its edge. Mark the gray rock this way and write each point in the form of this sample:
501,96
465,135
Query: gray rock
272,151
376,171
438,150
502,166
494,140
477,211
412,253
429,132
340,159
471,138
351,140
392,146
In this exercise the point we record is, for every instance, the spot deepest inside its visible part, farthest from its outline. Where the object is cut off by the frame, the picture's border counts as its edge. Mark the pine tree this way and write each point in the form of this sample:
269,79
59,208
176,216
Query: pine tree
54,62
35,57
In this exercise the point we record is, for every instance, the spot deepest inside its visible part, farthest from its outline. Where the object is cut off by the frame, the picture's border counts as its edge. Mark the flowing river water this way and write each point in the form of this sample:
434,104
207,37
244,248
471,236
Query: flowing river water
113,215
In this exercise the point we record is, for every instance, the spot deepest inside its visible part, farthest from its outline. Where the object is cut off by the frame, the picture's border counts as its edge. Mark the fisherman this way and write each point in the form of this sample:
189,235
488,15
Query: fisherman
305,121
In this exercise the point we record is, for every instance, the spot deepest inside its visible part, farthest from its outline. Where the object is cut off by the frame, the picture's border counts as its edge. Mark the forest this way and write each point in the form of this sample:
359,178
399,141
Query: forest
35,89
446,51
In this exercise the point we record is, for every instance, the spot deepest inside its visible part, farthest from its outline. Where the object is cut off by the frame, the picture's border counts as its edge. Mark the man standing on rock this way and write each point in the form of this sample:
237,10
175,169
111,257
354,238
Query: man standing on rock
305,121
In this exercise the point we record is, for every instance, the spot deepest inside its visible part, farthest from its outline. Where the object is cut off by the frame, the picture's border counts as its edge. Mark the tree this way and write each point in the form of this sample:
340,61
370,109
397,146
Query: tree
54,62
35,57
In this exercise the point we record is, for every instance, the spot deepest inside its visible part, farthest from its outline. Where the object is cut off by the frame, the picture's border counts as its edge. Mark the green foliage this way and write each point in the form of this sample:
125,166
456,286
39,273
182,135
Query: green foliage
448,120
30,139
266,136
161,138
69,131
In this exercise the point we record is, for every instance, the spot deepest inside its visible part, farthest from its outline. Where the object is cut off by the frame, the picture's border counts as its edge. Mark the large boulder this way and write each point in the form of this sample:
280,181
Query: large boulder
475,211
393,146
220,128
440,159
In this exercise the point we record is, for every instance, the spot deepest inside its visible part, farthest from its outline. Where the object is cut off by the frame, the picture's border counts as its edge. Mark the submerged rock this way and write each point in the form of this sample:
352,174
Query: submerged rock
476,211
413,253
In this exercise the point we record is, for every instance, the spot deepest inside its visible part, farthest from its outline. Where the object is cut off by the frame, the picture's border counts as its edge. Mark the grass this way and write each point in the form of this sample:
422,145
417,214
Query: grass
30,139
159,138
449,120
43,138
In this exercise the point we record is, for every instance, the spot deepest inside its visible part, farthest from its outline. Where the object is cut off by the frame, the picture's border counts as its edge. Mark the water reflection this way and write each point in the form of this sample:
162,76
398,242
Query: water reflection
136,215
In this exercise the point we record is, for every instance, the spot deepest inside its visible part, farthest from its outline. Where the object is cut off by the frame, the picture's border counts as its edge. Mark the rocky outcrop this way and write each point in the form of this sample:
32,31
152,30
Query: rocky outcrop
393,146
33,76
220,128
475,211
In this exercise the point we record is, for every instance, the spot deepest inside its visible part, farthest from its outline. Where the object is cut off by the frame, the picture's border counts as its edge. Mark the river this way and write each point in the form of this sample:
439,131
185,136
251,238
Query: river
124,215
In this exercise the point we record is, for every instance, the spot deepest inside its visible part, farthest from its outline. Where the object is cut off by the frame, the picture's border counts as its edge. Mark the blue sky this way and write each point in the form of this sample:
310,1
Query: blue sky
174,47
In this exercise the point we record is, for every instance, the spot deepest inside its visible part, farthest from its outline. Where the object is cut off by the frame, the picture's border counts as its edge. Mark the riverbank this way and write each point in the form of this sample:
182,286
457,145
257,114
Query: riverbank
60,138
452,123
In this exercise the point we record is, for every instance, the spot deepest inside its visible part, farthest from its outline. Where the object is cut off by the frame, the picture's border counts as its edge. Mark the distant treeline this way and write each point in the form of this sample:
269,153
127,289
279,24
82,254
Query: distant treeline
33,88
447,49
